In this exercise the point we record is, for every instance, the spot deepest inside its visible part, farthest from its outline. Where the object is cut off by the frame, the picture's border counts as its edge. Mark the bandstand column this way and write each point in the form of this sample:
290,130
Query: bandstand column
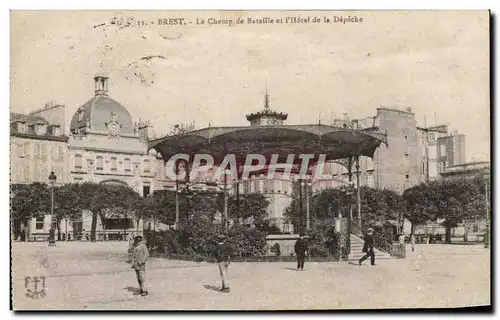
358,194
301,214
176,195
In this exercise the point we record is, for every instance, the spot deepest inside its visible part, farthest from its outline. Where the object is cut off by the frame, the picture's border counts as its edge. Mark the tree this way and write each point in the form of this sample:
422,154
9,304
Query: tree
66,203
452,201
419,206
28,201
108,201
253,205
380,207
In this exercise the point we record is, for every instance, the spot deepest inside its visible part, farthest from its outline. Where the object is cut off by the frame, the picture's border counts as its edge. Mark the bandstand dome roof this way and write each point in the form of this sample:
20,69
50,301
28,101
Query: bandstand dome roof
336,143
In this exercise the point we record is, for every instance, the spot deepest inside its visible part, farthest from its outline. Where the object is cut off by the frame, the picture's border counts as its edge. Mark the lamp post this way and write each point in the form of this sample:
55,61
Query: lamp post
52,182
358,195
306,185
226,173
176,196
488,227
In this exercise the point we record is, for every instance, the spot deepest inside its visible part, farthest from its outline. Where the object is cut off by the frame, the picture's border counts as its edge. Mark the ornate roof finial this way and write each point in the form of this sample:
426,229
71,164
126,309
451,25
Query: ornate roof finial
266,99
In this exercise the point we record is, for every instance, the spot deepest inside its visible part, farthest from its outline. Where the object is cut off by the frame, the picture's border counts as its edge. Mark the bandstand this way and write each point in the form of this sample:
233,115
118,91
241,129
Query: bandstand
301,147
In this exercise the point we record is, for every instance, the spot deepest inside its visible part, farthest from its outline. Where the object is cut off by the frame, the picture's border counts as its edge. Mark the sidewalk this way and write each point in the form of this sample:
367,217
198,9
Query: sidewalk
99,278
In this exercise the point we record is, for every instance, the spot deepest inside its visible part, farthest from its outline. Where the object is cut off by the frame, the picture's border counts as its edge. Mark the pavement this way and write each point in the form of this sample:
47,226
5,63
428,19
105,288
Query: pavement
95,276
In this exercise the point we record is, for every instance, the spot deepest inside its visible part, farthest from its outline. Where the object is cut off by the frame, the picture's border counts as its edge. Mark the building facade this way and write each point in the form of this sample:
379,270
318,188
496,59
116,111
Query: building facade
37,148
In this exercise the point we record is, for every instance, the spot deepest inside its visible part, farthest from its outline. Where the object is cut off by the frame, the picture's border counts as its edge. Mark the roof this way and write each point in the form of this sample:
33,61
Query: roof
336,143
97,111
28,119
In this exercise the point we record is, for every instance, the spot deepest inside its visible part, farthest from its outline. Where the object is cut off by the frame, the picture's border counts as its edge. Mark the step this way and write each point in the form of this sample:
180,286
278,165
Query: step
357,245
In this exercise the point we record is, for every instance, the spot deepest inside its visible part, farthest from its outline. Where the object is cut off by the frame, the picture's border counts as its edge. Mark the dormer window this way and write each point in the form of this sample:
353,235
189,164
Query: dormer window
21,127
80,115
56,130
41,129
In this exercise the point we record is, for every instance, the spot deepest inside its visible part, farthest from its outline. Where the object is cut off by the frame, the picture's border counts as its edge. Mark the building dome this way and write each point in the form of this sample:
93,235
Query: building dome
98,113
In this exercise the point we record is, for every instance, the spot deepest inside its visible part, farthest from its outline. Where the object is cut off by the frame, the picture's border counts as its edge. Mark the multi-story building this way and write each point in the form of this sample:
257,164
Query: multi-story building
430,164
37,147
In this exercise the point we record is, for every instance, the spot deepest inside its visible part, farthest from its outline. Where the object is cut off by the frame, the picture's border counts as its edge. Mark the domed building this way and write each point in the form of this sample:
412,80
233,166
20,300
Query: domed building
107,146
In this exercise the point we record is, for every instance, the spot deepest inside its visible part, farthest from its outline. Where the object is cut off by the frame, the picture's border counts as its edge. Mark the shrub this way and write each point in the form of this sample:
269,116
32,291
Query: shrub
247,242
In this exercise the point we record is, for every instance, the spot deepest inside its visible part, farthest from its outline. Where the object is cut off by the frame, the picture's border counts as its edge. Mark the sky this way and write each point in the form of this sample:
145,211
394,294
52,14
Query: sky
436,62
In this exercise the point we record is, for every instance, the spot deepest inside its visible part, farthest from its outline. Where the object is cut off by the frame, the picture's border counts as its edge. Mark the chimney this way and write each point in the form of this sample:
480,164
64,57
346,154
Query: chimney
101,84
143,128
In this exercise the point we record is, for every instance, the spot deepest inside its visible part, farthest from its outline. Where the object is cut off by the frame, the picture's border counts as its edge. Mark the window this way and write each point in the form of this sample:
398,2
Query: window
43,174
406,137
266,184
246,187
90,165
38,151
475,227
443,166
146,166
114,164
80,115
78,161
99,165
443,150
26,150
126,164
145,191
39,223
422,169
370,181
26,174
407,176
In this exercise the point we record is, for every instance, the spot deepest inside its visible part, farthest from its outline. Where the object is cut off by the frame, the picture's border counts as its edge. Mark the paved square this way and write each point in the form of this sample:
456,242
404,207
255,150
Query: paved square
95,276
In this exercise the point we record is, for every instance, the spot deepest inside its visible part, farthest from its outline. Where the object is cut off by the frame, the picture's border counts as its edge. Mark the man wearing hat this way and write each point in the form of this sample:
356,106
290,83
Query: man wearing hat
140,256
301,251
223,254
368,247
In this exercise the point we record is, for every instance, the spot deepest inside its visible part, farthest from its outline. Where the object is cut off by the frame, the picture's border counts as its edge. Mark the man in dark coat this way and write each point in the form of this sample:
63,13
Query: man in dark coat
301,251
368,247
223,254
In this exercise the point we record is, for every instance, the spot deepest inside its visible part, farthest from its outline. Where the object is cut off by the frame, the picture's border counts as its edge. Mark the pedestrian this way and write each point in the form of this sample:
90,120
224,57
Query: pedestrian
223,254
140,257
301,251
412,242
368,247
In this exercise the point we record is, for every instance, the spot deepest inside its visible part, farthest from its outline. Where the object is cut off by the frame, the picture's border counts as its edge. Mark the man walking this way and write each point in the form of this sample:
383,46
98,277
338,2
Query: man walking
301,251
140,257
223,254
412,242
368,247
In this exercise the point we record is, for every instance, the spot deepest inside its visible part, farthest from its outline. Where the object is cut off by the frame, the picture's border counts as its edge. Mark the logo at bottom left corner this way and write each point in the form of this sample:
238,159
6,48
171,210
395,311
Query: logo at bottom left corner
35,287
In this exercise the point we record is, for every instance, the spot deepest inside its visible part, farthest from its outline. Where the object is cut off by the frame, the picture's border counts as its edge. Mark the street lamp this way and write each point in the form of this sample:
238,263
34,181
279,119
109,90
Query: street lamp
226,173
306,185
52,231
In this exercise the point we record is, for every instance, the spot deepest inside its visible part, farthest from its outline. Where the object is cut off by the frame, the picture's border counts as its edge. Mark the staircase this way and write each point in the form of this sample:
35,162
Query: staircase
357,246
